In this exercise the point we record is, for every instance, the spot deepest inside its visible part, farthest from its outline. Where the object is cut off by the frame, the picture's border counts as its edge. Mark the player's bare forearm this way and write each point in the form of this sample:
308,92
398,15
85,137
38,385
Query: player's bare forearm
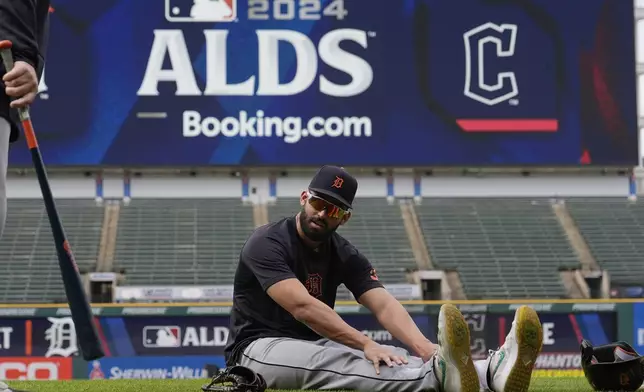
395,319
326,322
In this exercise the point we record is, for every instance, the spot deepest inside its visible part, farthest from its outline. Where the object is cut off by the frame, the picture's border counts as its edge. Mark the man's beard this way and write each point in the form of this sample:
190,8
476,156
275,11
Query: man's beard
312,234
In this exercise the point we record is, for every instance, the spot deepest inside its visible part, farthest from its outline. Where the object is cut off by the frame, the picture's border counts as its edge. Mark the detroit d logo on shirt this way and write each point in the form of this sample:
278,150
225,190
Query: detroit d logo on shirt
313,285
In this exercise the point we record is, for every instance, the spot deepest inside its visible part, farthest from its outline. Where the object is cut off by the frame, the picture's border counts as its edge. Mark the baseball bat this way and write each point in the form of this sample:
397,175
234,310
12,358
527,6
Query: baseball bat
88,340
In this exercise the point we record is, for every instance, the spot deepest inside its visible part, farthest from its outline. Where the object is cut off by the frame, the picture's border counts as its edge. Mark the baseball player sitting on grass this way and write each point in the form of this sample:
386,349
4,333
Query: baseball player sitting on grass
284,328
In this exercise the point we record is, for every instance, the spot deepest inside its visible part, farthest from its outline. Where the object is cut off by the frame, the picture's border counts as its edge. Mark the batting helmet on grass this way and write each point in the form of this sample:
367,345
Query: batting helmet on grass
612,367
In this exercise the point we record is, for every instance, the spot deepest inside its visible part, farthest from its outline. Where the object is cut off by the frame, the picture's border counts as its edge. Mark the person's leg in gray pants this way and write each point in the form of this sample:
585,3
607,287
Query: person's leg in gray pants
5,132
323,364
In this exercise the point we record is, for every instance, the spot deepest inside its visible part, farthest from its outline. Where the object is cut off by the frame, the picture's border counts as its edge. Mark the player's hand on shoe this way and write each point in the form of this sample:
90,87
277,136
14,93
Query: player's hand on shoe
21,83
377,353
427,350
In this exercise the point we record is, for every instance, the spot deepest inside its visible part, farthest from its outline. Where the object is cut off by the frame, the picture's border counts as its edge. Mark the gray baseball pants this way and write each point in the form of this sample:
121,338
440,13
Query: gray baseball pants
5,133
287,363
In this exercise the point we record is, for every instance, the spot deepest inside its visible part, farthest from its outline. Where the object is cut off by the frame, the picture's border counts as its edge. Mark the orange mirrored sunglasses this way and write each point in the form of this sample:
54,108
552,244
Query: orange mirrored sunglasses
331,209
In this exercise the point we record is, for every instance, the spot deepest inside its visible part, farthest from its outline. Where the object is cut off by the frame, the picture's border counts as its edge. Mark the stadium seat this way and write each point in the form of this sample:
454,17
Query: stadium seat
501,247
614,231
181,242
31,268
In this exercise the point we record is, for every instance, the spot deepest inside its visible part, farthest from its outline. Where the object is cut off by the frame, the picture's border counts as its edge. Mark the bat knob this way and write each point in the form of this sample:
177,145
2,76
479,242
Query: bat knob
5,44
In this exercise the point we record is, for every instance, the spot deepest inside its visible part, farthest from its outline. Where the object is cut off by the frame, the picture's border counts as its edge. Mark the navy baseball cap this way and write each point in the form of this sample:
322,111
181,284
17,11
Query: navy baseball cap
334,183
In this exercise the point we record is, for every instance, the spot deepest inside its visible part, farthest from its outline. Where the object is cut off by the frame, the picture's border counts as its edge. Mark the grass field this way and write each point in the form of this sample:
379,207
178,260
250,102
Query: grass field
577,384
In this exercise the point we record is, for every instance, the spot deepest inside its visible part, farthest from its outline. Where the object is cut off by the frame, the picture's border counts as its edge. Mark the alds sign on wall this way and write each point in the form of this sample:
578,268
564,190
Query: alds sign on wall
173,335
164,336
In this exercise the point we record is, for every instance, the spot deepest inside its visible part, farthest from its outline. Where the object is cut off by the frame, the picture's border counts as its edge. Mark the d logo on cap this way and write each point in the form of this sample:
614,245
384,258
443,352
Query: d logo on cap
335,185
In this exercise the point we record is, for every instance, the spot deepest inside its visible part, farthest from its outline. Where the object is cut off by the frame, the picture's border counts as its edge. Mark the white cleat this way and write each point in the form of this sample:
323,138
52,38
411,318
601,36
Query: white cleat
453,363
510,368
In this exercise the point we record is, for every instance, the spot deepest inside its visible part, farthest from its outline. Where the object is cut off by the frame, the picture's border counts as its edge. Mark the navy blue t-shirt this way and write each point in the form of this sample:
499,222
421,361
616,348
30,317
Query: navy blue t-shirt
275,252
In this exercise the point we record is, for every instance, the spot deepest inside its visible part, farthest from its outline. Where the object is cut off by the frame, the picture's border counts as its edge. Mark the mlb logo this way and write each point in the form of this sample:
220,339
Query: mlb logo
161,336
200,10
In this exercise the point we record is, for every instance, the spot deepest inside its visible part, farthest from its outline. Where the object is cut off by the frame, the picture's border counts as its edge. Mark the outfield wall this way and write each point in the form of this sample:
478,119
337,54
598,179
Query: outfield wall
187,340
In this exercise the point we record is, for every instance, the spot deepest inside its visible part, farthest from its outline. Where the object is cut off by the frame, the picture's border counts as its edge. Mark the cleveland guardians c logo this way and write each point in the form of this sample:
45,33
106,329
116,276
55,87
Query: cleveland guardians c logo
489,92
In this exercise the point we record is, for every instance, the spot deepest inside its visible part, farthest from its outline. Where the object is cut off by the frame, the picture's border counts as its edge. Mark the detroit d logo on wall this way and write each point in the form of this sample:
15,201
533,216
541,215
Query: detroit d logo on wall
487,89
62,337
